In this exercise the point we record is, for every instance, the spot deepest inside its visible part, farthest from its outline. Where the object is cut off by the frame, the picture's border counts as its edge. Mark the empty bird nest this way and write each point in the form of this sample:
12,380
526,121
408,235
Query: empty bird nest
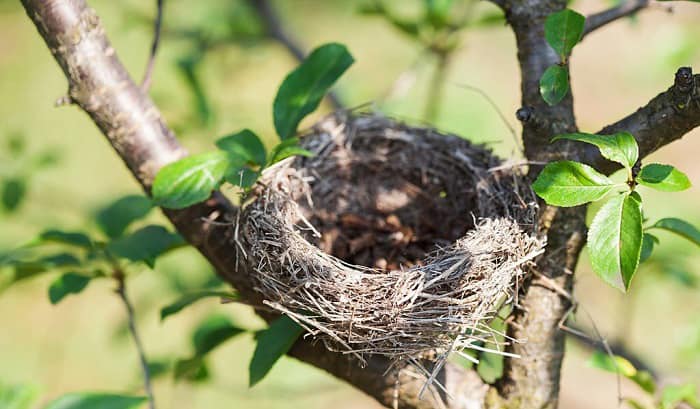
390,240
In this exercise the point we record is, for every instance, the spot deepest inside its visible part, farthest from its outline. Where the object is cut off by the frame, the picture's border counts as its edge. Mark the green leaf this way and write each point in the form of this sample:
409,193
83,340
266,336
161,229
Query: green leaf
644,380
192,369
13,193
288,147
16,144
188,299
191,180
188,68
70,238
68,283
615,240
673,395
620,147
648,242
302,90
614,364
17,396
212,332
665,178
634,404
272,343
244,177
568,183
158,368
25,269
145,244
680,276
554,84
245,144
118,215
563,30
438,12
92,400
680,227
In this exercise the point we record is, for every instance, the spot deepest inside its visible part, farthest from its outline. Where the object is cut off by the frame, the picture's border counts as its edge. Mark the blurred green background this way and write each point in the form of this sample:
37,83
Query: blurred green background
81,344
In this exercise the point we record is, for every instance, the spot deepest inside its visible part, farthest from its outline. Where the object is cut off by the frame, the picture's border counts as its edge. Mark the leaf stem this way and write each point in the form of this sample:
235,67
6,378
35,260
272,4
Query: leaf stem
121,291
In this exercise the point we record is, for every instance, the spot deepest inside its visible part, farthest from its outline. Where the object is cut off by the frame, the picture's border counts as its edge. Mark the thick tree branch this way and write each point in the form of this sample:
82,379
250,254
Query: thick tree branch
533,380
598,20
100,85
534,55
664,119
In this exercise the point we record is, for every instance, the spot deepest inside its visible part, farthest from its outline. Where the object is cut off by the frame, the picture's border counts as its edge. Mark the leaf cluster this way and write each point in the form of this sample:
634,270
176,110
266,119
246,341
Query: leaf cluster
78,257
242,156
617,238
562,30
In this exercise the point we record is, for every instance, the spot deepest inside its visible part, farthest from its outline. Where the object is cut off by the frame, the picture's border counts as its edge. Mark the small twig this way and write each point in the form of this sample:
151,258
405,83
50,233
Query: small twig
275,30
147,77
493,104
63,100
121,291
598,20
588,341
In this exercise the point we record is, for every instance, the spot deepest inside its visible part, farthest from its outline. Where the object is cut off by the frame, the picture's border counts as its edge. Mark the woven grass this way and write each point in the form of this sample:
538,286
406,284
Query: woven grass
391,240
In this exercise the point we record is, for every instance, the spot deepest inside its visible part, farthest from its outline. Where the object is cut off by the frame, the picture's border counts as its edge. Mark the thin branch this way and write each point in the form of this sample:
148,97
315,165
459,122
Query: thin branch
666,118
121,291
275,30
598,20
516,140
147,77
590,342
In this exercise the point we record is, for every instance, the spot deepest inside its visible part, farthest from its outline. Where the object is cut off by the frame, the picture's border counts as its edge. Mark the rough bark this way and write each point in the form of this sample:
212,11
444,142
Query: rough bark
598,20
666,118
533,380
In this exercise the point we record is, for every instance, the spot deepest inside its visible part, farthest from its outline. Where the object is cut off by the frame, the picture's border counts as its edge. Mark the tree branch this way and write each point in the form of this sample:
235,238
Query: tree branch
275,30
121,291
534,55
533,380
147,77
617,348
598,20
100,85
664,119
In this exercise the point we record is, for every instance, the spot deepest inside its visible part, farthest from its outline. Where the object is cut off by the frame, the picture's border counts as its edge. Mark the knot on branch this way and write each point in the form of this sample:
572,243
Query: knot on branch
684,79
684,88
524,114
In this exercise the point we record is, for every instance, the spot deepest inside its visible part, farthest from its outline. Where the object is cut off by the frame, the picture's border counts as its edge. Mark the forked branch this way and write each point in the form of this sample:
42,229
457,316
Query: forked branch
666,118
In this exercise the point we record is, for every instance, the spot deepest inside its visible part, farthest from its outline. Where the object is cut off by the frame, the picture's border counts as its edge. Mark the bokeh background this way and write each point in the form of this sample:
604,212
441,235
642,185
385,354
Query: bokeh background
70,172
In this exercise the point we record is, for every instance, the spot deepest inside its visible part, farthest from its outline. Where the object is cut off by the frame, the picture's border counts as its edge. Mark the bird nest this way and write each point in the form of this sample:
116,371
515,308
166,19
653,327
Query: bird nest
391,239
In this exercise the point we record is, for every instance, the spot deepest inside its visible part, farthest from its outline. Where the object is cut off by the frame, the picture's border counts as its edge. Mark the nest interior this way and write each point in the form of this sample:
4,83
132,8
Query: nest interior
391,239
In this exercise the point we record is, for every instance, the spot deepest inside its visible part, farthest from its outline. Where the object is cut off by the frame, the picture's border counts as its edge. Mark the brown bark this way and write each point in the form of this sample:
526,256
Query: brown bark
598,20
666,118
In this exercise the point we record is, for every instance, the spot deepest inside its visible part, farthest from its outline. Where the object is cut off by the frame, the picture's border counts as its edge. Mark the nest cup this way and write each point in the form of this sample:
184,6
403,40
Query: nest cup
391,239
